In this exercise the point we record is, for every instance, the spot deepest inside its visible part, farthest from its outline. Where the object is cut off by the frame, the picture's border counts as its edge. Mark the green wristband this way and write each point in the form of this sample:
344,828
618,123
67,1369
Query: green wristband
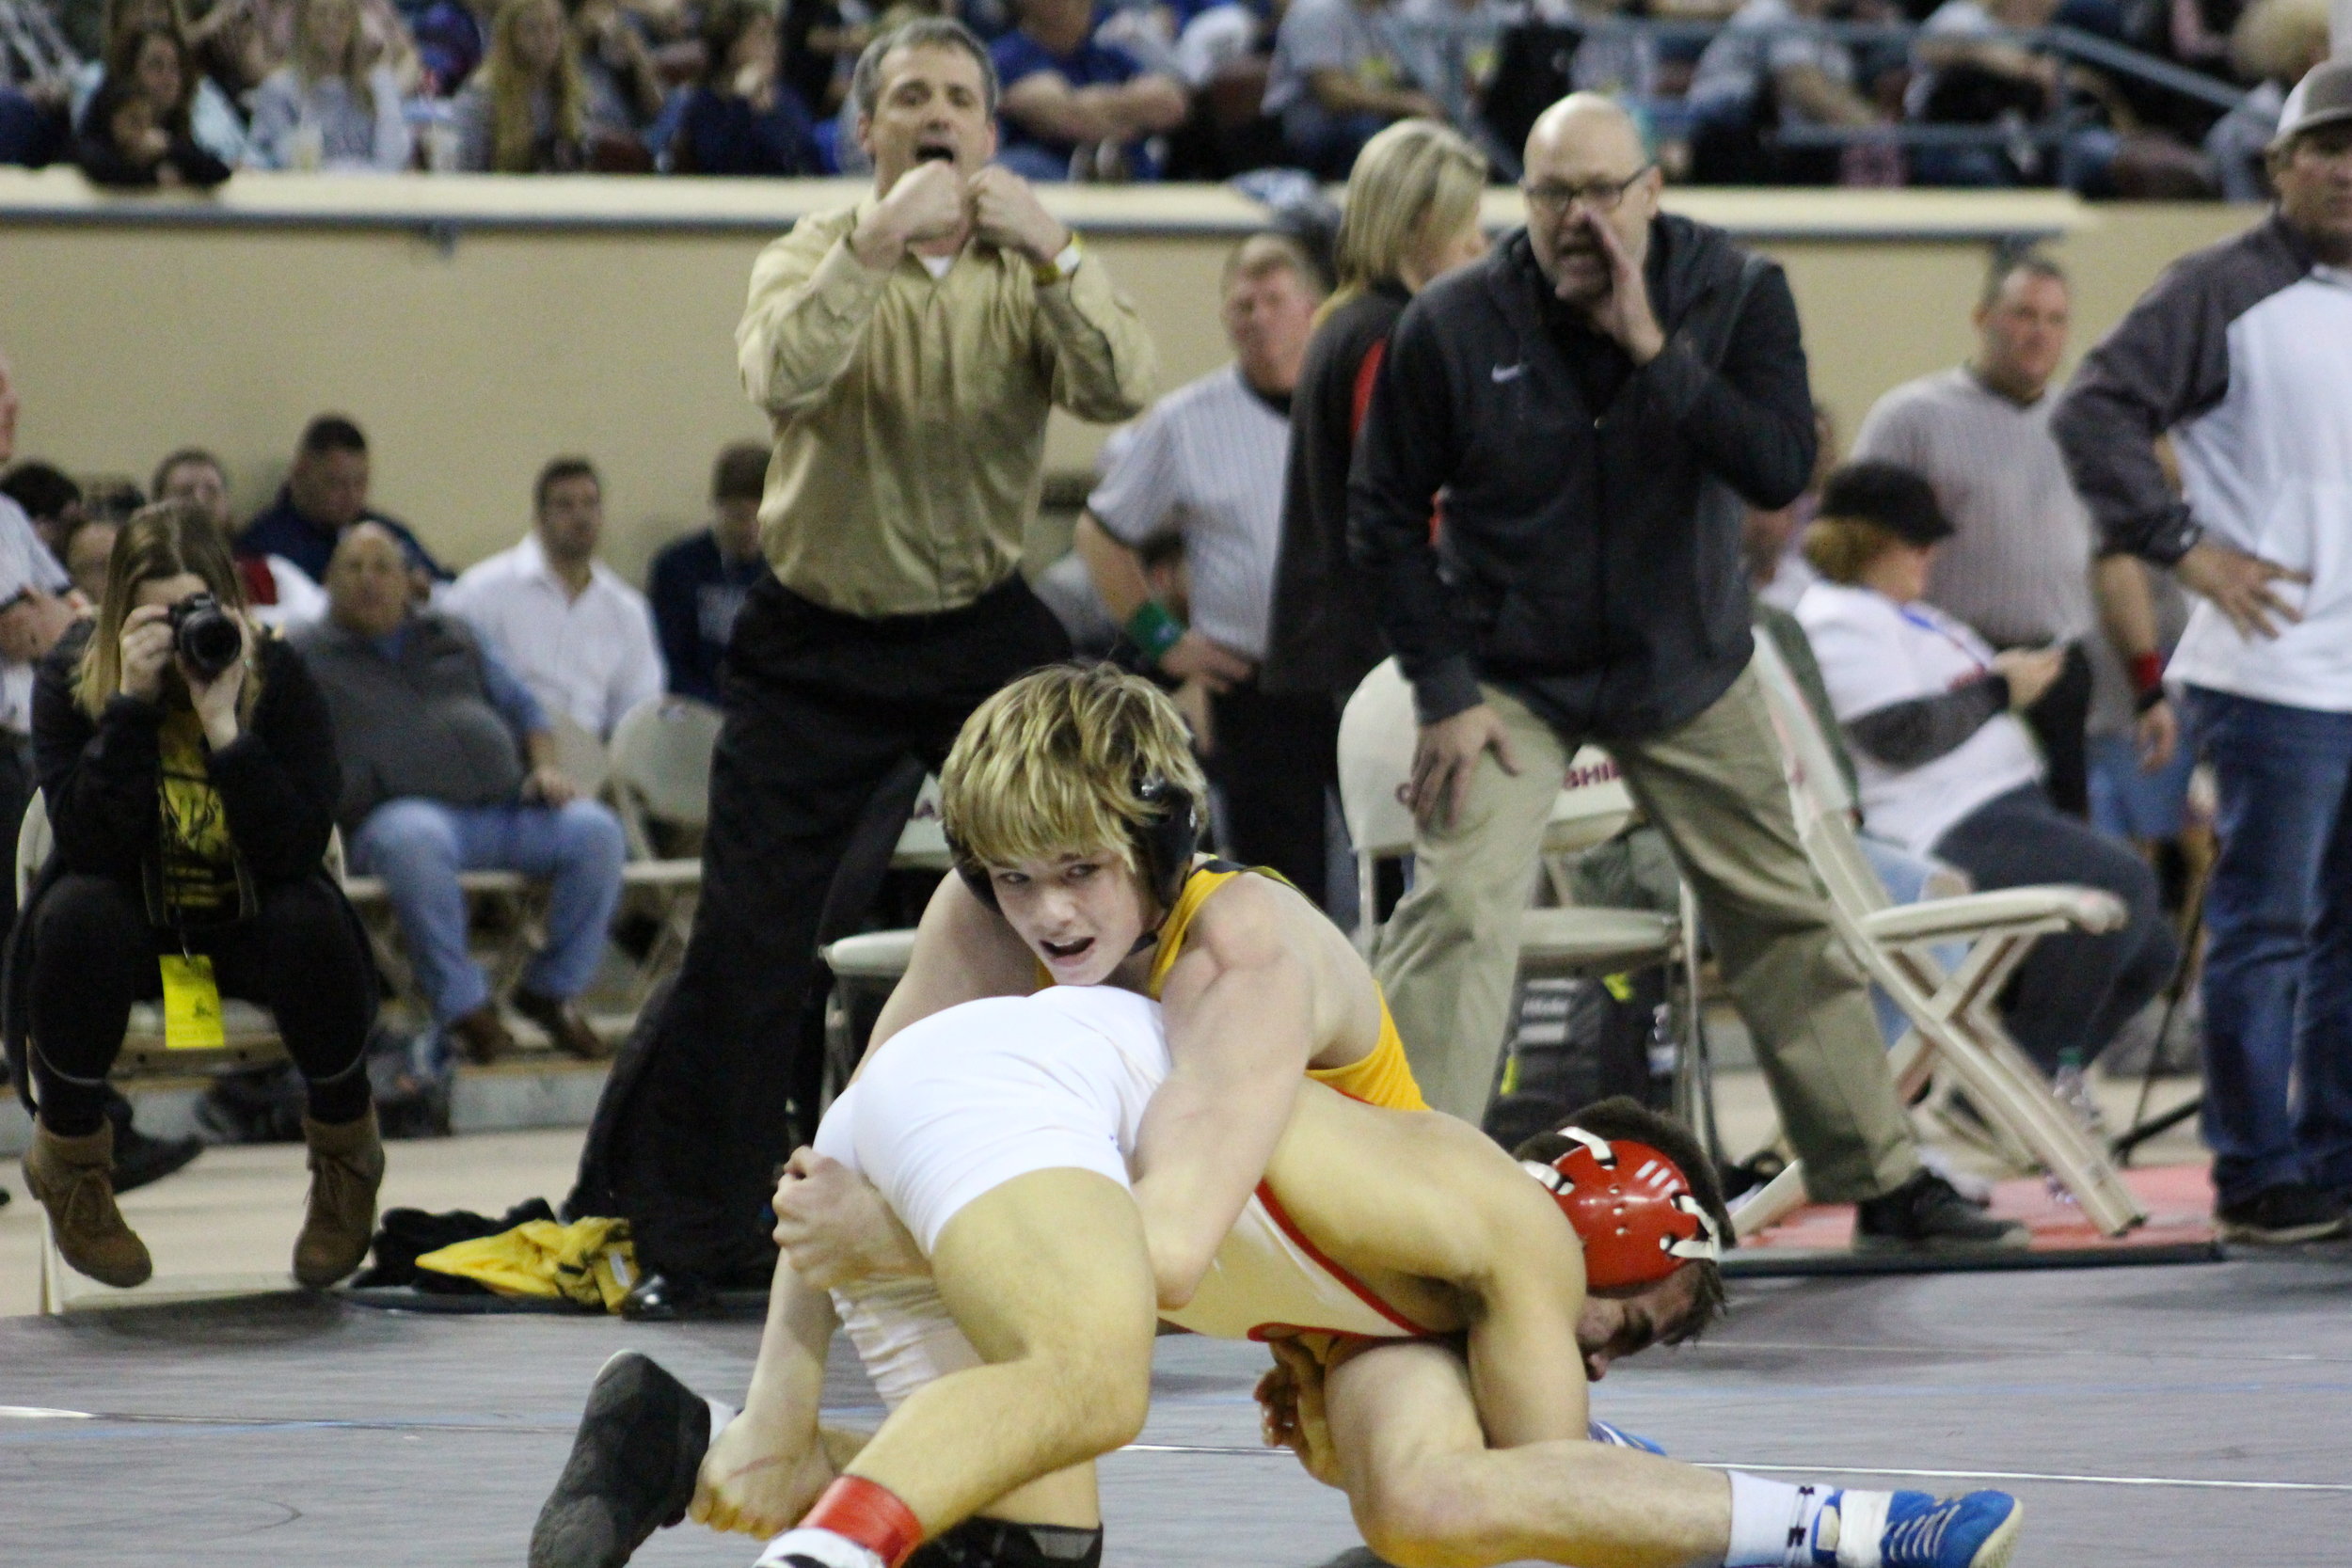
1153,629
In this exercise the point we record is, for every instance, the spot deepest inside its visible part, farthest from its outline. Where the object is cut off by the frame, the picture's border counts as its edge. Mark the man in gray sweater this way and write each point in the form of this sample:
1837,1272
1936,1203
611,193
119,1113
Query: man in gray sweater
448,766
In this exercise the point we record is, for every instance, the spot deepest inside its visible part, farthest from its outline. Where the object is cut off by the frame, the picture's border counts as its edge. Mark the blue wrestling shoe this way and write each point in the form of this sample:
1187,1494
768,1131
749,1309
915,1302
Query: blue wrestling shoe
1911,1529
1617,1437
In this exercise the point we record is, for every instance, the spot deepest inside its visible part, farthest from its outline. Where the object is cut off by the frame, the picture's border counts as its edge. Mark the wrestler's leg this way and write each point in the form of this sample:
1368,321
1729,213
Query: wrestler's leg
1465,1215
1428,1492
1048,1277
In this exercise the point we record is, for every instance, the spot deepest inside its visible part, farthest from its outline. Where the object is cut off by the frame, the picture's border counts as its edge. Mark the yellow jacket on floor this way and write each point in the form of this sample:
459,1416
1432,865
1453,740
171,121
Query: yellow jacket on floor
589,1261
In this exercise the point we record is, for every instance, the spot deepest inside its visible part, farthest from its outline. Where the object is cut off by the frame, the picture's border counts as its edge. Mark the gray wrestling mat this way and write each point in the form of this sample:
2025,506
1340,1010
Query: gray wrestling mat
2150,1415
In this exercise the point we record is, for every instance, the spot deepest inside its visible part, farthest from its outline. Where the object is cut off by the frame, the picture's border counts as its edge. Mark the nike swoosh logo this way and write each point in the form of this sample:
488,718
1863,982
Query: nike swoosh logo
1508,372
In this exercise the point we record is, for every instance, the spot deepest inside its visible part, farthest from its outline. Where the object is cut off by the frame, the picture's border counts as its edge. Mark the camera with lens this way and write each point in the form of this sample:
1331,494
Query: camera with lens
206,636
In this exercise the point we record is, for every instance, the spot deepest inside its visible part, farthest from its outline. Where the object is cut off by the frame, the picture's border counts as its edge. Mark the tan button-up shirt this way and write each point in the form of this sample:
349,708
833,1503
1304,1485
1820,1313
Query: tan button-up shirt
910,411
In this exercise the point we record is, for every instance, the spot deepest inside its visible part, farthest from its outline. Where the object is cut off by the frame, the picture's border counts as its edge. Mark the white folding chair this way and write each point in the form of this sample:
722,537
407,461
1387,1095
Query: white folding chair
1954,1027
579,755
923,841
659,778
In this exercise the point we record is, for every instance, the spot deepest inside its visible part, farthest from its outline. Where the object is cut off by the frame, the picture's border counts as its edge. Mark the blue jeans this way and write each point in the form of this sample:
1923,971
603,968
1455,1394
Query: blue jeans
1904,876
2277,983
1325,143
419,847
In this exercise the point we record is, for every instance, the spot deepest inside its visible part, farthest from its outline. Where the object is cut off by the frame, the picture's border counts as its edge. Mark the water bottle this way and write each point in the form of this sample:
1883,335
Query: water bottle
2070,1087
1666,1051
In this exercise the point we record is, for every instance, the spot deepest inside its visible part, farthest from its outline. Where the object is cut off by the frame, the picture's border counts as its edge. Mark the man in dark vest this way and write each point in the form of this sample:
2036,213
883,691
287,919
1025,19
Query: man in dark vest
448,766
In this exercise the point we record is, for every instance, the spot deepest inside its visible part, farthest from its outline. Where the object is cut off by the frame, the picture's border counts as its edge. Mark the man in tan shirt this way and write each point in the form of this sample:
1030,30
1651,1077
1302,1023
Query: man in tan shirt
907,351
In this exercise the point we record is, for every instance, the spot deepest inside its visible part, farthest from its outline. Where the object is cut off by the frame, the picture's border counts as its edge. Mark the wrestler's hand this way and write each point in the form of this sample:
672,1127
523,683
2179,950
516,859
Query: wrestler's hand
836,1227
1291,1411
748,1486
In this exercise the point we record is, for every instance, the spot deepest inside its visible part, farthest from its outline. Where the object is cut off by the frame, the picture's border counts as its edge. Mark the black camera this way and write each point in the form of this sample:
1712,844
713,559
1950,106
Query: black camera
206,636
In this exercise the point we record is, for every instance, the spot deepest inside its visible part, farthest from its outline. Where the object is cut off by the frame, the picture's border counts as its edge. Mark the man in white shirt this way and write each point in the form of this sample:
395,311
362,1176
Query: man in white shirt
1207,463
581,638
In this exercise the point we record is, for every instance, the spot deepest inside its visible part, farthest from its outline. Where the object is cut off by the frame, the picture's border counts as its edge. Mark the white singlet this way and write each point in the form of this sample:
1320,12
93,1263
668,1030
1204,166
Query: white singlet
970,1097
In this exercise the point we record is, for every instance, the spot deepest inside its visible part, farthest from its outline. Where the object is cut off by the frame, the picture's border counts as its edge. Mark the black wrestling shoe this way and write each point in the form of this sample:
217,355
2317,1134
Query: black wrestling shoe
668,1298
631,1471
1926,1214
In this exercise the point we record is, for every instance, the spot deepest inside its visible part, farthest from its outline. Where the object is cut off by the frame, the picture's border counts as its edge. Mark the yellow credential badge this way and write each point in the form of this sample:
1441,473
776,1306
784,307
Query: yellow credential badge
191,1005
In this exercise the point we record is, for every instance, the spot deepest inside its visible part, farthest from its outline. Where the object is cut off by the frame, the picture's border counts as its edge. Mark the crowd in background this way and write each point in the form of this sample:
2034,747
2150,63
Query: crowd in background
143,93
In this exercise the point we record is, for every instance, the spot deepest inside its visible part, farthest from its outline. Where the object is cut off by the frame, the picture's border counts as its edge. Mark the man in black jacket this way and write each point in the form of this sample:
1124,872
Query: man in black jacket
1592,408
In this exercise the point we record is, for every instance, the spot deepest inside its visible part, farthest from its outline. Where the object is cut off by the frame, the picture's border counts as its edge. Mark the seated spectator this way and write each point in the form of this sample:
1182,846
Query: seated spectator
1074,107
1774,64
1456,45
325,494
214,119
451,38
49,497
278,592
192,809
448,766
820,47
1948,771
385,38
579,637
526,111
86,549
2274,44
697,584
326,108
742,118
1969,73
1339,75
617,65
134,132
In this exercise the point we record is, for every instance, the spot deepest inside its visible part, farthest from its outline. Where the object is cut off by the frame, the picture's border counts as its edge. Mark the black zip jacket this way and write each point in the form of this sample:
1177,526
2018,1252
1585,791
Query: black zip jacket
1589,558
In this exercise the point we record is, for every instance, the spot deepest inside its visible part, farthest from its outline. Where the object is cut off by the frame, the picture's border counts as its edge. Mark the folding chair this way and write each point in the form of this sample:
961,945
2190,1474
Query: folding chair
1377,735
1954,1027
579,753
659,778
251,1039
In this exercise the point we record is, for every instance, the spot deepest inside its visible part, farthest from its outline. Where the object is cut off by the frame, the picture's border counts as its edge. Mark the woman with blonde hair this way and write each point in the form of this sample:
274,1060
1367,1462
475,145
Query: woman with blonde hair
327,108
1411,216
526,112
189,772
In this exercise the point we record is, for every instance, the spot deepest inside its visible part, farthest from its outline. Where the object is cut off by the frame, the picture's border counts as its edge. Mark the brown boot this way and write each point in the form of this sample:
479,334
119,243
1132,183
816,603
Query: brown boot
347,1167
73,1178
481,1033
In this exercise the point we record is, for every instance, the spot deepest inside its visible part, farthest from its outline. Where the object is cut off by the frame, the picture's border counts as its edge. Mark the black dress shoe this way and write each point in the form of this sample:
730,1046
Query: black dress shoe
140,1159
631,1470
1926,1214
664,1298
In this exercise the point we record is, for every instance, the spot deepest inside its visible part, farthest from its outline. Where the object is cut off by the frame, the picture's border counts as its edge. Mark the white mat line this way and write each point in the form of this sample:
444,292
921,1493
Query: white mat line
1867,1470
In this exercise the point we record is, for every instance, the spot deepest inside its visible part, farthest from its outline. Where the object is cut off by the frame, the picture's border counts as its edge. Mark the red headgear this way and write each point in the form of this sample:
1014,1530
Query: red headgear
1632,1206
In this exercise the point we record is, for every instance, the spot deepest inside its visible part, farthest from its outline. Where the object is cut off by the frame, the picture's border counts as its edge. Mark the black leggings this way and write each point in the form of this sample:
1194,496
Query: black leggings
94,954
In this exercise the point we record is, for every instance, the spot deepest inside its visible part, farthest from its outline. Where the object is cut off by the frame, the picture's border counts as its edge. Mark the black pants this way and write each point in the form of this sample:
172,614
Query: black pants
2059,721
16,793
1275,758
821,709
94,954
2073,991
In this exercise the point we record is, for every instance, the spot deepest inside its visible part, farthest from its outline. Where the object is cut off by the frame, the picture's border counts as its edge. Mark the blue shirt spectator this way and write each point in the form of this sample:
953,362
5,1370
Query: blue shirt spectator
697,583
325,494
721,133
1064,92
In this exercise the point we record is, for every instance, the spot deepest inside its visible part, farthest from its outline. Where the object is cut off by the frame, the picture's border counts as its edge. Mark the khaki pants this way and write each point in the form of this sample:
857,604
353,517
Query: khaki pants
1714,787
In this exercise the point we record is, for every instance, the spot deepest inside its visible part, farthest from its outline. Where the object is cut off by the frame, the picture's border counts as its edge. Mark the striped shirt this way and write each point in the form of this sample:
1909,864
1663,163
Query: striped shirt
2018,567
1207,461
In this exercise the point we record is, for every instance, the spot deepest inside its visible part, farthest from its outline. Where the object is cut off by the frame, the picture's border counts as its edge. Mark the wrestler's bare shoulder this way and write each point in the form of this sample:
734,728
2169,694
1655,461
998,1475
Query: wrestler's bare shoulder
1250,919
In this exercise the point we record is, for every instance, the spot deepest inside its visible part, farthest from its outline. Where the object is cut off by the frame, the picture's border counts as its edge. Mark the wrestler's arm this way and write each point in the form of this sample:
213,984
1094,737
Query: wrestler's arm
768,1463
963,951
1389,1193
1240,1009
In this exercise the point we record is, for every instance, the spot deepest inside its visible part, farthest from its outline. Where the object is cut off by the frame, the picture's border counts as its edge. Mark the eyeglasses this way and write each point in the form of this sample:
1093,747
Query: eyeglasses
1600,196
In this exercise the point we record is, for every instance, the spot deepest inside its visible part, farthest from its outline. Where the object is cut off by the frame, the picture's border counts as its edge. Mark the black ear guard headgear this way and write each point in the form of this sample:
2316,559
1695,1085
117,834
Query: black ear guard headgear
1164,844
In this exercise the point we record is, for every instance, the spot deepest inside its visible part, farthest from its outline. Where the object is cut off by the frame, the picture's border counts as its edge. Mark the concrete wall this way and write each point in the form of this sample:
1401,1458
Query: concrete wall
477,327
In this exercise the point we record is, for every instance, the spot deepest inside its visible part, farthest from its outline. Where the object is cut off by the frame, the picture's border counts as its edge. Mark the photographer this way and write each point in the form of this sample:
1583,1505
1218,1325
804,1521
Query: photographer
190,771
